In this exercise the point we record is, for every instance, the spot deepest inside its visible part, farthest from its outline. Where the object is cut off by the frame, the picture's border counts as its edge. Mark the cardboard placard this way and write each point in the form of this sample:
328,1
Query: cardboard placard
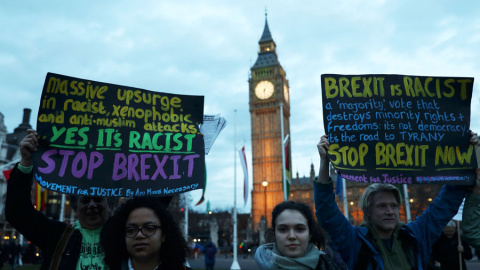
101,139
399,129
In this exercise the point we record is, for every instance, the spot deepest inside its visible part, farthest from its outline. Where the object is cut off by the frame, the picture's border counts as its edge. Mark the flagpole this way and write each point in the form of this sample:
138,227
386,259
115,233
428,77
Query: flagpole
284,179
407,203
186,224
62,208
345,200
235,264
243,161
186,215
460,243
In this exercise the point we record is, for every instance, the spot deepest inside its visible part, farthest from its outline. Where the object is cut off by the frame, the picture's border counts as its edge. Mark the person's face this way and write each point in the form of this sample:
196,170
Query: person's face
383,213
92,212
449,231
140,247
291,233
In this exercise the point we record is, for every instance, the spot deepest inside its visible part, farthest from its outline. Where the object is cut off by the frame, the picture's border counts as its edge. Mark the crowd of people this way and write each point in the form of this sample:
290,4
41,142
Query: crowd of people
142,234
10,253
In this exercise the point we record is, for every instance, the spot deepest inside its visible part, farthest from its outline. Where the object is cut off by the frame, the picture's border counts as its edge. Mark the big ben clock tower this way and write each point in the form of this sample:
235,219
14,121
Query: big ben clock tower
269,90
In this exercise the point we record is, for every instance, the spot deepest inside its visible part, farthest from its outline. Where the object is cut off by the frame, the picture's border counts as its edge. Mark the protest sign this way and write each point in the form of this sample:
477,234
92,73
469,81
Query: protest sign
399,129
101,139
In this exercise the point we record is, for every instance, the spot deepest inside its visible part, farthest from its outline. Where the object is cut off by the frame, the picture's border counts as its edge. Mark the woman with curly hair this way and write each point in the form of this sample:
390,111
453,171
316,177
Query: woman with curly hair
298,241
142,235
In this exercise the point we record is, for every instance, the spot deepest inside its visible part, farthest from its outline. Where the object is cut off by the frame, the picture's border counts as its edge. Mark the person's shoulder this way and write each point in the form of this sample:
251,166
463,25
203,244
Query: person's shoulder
407,232
362,230
326,262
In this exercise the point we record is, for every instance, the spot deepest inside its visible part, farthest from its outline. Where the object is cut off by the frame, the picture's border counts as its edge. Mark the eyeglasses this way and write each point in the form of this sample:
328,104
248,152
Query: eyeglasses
147,231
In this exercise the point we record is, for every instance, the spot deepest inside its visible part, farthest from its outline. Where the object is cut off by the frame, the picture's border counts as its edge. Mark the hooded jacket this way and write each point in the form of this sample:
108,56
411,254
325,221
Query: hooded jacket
417,237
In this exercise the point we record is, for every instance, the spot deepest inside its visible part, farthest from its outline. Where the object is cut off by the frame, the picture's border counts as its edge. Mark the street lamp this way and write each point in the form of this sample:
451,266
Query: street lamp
265,184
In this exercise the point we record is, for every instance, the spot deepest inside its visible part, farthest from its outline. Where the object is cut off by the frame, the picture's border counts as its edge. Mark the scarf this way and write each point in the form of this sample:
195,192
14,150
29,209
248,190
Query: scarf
268,258
394,258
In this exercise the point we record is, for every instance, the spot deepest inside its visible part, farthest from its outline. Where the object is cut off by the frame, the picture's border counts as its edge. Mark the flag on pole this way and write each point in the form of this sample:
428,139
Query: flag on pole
202,199
44,199
339,187
287,167
243,161
40,197
7,174
458,216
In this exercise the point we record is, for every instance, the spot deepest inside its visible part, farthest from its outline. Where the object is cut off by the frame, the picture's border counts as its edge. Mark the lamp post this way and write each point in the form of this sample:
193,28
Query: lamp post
235,265
265,184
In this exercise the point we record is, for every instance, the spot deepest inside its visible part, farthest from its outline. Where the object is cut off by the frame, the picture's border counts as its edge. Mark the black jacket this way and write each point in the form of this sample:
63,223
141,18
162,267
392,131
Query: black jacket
445,252
36,227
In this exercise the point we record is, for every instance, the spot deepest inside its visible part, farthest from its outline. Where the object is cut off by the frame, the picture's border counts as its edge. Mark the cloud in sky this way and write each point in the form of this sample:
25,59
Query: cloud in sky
207,48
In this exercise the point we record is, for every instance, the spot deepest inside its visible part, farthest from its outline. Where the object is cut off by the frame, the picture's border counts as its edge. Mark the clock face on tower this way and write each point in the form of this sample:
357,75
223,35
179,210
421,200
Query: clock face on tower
285,92
264,90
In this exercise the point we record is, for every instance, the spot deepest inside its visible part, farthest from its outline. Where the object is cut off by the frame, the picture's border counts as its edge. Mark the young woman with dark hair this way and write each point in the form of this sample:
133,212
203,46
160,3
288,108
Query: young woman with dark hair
143,235
298,241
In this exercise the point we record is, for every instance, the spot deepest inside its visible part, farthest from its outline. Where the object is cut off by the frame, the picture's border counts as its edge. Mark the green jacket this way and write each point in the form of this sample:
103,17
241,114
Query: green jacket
471,220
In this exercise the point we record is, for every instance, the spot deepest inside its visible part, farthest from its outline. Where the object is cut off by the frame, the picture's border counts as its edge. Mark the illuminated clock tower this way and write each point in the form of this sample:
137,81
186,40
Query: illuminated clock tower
268,90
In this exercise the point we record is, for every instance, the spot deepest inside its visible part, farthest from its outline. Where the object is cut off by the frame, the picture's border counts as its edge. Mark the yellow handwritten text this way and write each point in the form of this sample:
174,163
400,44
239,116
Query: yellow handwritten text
400,154
450,155
138,96
150,114
75,88
84,106
430,87
347,155
356,86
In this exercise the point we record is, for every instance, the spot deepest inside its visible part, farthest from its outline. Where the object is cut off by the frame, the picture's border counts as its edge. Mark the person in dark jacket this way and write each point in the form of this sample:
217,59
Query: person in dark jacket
471,215
445,252
63,246
15,254
209,252
383,242
143,235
